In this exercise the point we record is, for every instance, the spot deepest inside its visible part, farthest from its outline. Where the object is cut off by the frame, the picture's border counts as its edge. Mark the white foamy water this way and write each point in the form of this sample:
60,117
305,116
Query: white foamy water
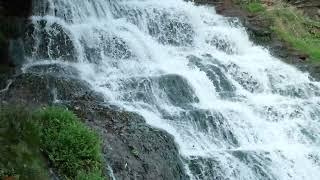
235,111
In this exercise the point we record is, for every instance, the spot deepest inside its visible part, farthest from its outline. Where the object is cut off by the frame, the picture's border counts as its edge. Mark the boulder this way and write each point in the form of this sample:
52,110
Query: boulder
55,42
40,89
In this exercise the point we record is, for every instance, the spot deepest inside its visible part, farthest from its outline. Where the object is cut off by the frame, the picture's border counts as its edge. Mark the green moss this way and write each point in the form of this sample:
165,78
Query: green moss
255,7
20,145
71,146
299,31
93,175
252,6
290,25
72,149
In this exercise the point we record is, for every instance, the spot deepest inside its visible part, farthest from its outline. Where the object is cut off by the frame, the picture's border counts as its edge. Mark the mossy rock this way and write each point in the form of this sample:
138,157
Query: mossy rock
30,139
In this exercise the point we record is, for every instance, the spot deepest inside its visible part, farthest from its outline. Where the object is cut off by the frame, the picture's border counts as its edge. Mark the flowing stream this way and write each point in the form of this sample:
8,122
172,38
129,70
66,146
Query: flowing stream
235,111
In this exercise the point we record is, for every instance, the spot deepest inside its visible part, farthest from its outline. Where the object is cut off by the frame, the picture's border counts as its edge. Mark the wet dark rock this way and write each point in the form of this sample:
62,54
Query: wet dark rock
57,70
172,87
246,80
55,42
16,51
207,167
46,89
138,89
309,7
133,149
166,27
259,29
210,167
6,74
211,123
117,48
216,73
254,160
177,89
222,45
313,69
177,33
108,45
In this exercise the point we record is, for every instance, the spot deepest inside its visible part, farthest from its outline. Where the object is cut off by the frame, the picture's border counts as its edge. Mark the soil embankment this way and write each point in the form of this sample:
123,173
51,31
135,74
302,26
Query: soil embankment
260,27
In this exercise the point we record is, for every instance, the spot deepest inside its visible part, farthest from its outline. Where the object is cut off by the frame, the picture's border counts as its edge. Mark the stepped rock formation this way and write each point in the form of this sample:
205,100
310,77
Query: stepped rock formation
175,90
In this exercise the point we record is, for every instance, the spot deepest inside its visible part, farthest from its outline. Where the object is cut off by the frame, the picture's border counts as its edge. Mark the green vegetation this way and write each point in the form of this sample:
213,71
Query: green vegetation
71,148
252,6
296,29
20,145
291,25
69,144
255,7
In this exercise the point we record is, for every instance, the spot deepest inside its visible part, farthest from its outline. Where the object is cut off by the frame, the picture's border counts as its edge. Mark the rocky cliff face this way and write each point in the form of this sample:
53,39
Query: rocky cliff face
260,32
310,7
13,17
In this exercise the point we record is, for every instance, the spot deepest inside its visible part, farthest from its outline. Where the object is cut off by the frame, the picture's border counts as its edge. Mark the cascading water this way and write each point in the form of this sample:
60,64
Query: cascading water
235,111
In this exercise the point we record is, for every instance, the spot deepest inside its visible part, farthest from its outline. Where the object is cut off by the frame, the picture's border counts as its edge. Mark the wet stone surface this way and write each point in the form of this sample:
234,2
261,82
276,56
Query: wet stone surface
133,149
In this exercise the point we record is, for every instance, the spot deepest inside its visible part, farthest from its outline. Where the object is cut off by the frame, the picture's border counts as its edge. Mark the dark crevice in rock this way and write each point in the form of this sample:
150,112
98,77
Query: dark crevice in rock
13,18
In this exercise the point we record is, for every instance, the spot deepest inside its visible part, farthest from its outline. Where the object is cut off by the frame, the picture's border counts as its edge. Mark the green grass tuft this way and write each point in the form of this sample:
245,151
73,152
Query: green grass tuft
290,25
70,145
20,145
72,149
298,30
255,7
93,175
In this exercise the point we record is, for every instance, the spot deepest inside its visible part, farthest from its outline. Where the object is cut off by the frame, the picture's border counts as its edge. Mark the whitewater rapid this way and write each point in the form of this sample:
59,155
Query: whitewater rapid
235,111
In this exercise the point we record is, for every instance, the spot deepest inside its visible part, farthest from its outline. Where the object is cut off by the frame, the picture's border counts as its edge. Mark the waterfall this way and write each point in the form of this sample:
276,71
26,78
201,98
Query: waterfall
234,110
